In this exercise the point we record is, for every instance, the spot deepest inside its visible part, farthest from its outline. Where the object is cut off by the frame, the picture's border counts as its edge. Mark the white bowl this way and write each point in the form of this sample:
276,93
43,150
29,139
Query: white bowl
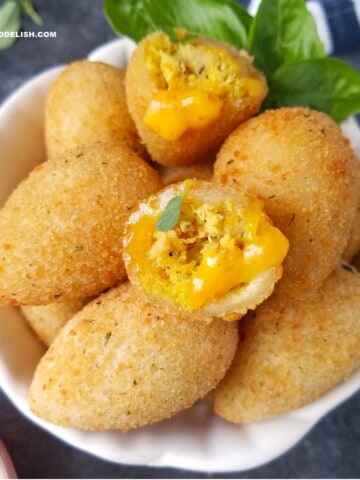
194,439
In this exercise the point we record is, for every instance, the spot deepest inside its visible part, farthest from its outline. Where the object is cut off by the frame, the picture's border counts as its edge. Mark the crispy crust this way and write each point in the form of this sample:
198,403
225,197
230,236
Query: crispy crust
123,362
193,145
290,353
299,163
201,171
47,320
236,303
87,103
61,229
353,244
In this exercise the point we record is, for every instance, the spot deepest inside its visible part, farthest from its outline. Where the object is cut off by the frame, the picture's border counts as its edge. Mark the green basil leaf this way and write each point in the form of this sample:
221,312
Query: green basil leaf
223,20
282,37
10,22
28,8
126,17
282,32
171,214
325,84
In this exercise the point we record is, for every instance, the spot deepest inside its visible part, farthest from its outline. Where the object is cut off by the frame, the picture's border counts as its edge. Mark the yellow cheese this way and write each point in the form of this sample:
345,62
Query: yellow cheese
214,248
223,269
173,112
192,81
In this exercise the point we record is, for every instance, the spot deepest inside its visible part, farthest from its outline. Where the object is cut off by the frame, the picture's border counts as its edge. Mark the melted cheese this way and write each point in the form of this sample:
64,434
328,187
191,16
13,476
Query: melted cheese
172,112
192,80
214,248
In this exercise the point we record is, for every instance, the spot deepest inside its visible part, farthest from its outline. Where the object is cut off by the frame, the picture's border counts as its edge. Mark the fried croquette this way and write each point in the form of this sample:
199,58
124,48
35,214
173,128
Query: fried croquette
221,257
201,171
122,362
61,229
298,162
291,353
186,96
47,320
353,244
85,104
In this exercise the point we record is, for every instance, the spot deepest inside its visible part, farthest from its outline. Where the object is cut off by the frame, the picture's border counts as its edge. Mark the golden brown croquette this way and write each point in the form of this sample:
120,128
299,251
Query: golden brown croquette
61,229
186,96
221,257
87,103
353,244
298,162
123,362
201,171
292,352
47,320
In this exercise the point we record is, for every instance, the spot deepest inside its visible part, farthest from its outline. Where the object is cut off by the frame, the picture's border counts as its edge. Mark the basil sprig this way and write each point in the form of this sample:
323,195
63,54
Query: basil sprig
11,12
282,37
171,214
325,84
223,20
283,32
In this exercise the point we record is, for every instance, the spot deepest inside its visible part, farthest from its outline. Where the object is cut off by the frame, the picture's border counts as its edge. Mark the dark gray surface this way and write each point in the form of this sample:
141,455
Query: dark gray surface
330,450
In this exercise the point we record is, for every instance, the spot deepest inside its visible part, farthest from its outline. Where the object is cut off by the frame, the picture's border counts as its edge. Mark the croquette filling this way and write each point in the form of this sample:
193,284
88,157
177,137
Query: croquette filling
214,248
193,81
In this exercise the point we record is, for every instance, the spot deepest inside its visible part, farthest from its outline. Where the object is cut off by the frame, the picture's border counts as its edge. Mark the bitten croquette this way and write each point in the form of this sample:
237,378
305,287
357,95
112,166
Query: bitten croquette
186,96
222,257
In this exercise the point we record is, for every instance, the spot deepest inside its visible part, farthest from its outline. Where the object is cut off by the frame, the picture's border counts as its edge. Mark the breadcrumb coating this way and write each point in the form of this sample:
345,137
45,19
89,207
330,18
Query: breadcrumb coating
222,257
197,66
47,320
292,352
353,244
123,362
85,104
61,229
298,162
201,171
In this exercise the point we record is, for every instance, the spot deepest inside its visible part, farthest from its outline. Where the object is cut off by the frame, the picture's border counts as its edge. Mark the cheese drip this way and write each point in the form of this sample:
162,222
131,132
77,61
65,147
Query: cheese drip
172,112
214,248
192,81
